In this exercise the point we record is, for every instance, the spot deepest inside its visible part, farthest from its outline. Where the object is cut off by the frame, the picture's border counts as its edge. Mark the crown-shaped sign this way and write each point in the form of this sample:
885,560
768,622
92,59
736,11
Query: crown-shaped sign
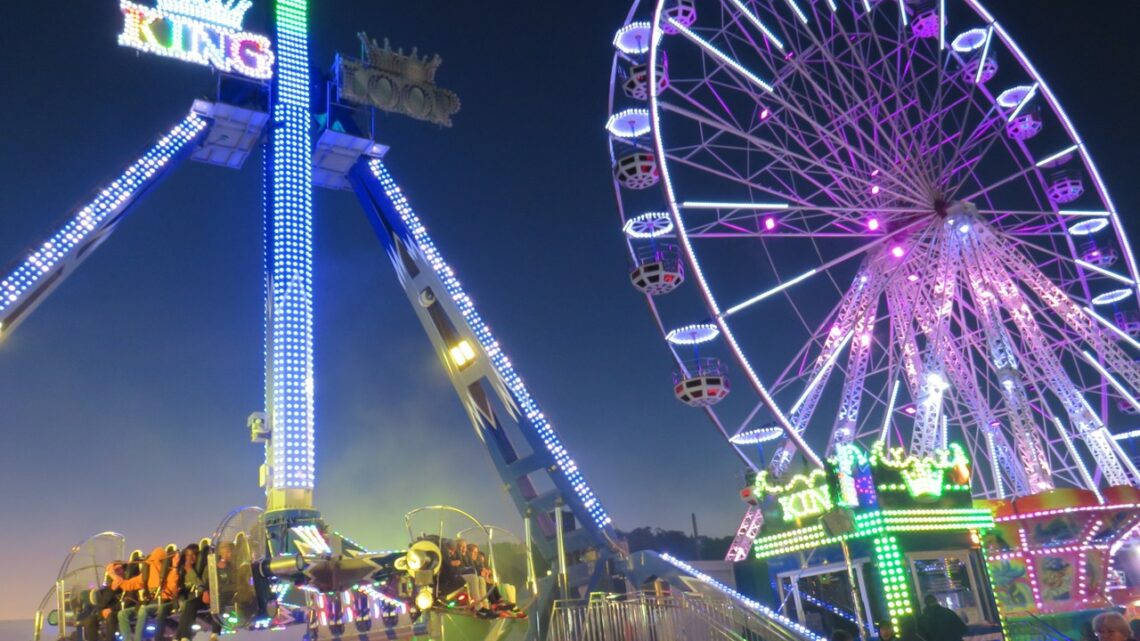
228,13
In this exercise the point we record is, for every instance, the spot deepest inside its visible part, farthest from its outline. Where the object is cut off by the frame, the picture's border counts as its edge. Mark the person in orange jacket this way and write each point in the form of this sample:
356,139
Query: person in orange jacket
161,592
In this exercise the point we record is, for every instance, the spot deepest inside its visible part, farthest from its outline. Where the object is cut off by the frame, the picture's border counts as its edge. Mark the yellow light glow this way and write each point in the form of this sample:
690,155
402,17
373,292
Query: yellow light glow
462,354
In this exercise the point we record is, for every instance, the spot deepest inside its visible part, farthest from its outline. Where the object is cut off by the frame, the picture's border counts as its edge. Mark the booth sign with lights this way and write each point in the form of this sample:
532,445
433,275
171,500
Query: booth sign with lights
889,497
206,32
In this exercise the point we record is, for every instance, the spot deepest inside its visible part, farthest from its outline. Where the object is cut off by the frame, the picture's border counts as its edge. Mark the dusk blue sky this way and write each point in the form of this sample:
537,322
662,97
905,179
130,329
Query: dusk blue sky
124,396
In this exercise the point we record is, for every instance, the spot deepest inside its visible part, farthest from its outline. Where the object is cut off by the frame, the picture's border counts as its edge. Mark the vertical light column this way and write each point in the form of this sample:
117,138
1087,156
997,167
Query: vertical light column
289,267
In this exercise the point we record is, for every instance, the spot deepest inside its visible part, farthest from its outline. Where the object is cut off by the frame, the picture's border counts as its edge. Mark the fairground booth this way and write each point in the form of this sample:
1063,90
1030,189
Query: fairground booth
1057,558
909,527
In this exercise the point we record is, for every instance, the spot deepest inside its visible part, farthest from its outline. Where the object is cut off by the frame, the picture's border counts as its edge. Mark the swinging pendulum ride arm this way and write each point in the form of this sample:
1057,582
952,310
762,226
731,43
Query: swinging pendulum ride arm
486,381
493,395
29,280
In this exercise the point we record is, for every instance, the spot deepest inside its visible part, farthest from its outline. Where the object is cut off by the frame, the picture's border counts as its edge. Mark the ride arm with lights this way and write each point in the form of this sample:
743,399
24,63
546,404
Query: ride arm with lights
953,365
485,380
1087,424
854,304
961,379
934,311
1004,360
1116,359
31,278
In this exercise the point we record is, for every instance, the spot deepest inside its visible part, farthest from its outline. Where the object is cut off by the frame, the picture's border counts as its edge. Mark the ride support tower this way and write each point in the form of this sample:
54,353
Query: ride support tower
289,473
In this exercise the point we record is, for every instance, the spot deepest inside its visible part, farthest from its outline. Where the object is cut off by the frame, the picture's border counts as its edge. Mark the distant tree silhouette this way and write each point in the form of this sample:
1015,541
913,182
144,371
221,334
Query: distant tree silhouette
677,543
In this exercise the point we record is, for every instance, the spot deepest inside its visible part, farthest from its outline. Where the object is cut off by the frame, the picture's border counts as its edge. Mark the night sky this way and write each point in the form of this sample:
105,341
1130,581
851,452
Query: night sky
124,396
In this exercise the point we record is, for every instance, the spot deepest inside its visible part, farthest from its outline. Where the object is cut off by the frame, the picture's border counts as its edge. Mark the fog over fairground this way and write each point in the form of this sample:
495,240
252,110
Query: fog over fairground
123,397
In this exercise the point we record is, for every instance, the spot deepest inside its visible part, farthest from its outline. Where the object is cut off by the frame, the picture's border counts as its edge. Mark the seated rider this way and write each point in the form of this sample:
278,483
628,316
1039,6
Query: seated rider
451,554
464,564
194,590
104,603
472,560
160,593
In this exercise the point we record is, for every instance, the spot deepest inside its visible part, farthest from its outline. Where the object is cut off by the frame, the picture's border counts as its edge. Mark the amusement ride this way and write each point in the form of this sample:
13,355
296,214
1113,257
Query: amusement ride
283,566
874,212
869,233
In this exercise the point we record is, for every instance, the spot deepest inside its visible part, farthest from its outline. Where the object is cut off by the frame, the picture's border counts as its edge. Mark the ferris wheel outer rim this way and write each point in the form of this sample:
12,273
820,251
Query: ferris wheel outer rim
1074,135
686,248
694,265
708,410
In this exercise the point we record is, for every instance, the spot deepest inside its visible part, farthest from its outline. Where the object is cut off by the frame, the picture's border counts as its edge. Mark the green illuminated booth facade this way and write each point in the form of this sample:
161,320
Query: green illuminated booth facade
909,525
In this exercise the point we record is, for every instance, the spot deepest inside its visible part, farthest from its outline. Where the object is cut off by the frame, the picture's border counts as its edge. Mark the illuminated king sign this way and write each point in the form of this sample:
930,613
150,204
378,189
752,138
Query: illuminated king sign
206,32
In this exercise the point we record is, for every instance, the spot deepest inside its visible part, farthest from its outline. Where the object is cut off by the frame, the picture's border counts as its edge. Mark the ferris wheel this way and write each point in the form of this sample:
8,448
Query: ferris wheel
875,220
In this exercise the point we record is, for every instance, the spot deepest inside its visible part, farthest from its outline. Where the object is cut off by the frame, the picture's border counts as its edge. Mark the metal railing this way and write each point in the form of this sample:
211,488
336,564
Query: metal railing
674,616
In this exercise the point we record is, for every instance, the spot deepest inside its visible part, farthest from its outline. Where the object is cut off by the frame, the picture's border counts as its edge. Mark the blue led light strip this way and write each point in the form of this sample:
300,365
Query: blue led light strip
755,606
836,610
51,254
491,346
289,257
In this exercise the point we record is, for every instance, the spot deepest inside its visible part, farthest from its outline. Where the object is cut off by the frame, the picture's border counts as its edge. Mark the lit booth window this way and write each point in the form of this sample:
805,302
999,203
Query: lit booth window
906,525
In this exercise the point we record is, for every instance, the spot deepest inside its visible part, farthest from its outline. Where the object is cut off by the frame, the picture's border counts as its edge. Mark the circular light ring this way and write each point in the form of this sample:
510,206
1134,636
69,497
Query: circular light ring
758,435
650,225
968,41
693,334
1086,227
631,123
633,39
1013,96
1113,296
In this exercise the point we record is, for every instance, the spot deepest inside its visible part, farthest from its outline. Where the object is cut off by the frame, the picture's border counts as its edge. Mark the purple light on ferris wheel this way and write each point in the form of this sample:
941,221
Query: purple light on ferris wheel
873,224
875,189
765,114
769,223
898,251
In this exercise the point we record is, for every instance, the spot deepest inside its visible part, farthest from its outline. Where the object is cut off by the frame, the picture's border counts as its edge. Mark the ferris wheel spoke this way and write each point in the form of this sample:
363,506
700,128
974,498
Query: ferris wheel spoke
782,196
708,118
1075,263
1027,223
782,156
918,81
994,185
873,85
816,270
791,127
858,112
968,167
794,106
688,162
